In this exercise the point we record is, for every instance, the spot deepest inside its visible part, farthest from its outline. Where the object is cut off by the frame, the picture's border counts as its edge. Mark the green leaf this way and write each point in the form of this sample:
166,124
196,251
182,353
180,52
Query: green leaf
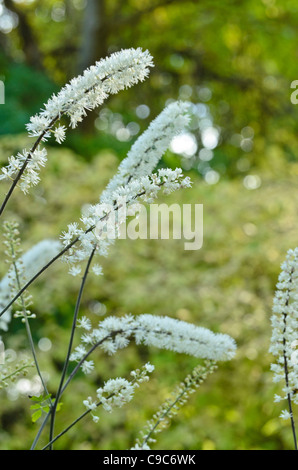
35,407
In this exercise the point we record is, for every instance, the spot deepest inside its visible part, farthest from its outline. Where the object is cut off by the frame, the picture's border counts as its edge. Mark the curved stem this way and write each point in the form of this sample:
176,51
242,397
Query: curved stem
22,290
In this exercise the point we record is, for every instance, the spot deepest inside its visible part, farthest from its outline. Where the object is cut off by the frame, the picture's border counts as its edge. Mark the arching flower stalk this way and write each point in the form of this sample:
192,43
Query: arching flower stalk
166,333
284,338
108,214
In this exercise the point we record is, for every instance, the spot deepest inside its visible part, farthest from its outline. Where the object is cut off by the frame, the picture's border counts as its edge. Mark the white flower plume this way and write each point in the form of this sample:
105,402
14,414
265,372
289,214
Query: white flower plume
102,221
284,340
167,333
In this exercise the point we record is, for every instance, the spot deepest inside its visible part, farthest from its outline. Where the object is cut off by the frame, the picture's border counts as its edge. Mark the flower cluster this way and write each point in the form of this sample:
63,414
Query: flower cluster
102,221
173,404
27,265
117,72
108,76
34,160
284,322
167,333
149,147
117,392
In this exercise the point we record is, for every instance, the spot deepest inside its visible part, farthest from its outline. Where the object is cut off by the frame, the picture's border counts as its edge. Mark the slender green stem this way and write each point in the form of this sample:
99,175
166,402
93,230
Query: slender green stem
51,442
65,367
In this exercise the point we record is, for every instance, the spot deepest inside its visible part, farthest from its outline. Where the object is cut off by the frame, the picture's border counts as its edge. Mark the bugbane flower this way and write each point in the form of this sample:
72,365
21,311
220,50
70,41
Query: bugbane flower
84,93
29,264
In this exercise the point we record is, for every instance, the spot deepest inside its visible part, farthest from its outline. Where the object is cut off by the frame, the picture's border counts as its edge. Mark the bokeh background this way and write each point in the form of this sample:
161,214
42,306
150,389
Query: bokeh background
235,61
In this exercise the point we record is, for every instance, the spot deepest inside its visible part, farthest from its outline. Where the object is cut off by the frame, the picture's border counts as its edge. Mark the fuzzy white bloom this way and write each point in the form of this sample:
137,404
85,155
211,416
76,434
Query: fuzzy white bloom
30,263
88,367
38,159
284,339
149,147
167,333
182,337
75,270
84,93
117,72
97,270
